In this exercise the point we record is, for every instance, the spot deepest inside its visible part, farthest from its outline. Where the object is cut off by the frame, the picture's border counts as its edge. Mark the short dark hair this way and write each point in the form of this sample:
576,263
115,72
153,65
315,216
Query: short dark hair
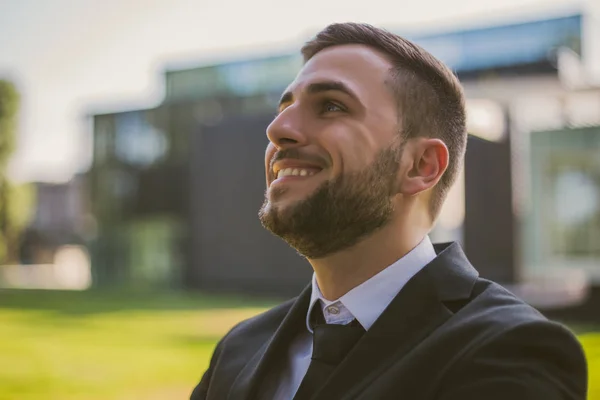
430,98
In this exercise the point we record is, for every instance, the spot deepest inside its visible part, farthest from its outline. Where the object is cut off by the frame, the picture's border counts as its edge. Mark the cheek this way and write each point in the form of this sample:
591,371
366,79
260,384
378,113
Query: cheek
269,153
351,148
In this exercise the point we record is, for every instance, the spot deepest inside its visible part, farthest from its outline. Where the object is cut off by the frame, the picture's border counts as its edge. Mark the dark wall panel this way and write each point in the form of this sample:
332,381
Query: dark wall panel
231,250
162,190
489,221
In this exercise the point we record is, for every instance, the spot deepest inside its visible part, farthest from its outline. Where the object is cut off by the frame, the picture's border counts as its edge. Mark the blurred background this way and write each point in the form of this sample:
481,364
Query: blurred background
132,137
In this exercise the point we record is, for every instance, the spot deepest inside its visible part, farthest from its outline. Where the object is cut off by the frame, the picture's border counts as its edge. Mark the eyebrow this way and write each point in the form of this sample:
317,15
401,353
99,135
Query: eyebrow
320,87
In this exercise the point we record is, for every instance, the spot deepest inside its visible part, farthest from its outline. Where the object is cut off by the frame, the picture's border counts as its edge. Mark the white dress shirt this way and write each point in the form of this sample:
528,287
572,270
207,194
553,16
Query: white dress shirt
365,302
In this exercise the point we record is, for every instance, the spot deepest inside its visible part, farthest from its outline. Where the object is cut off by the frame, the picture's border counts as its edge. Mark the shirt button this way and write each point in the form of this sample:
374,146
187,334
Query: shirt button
333,310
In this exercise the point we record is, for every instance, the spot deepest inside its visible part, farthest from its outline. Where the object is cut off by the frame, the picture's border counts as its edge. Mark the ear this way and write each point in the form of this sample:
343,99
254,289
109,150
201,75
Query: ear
426,161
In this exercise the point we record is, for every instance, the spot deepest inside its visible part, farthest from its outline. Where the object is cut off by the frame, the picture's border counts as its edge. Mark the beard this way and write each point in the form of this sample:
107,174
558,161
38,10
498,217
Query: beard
340,212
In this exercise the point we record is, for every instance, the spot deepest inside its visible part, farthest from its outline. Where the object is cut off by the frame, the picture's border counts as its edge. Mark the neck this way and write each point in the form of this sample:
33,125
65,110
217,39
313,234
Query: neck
339,273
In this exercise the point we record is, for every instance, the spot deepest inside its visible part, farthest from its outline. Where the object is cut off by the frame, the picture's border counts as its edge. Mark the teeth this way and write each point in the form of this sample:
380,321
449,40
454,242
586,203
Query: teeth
294,172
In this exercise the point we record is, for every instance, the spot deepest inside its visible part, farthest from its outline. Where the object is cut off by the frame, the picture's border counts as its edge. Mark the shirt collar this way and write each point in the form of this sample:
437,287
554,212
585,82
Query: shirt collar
368,300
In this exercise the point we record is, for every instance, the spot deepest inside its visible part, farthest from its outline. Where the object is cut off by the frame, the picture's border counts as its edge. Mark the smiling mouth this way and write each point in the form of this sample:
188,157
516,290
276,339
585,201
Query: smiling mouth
295,172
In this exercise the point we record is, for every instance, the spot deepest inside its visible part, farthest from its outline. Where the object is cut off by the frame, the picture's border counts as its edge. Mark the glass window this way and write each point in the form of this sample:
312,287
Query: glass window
137,142
563,228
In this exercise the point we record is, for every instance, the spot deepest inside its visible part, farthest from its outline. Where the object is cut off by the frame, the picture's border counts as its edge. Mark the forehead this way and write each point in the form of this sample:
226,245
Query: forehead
361,68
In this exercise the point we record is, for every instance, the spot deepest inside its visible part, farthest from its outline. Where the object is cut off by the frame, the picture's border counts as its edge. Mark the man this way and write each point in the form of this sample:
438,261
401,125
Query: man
367,142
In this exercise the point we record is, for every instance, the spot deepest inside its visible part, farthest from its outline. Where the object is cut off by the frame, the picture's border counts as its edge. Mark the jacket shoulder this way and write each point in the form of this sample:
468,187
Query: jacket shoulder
265,322
496,305
511,347
493,312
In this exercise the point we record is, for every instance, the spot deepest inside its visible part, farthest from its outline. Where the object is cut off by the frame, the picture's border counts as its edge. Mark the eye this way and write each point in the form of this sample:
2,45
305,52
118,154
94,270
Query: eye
330,106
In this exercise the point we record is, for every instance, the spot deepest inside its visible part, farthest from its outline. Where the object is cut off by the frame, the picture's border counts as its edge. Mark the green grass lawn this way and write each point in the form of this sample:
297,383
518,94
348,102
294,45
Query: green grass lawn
88,346
91,346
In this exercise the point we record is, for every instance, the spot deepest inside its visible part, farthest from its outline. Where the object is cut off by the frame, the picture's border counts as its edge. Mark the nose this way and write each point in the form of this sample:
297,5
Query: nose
286,130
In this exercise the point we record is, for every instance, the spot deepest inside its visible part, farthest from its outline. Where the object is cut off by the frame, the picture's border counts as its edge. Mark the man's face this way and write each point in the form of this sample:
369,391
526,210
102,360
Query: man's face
332,161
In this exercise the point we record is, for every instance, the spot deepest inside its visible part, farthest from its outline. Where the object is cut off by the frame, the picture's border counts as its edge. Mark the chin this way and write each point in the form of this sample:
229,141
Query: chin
282,196
282,204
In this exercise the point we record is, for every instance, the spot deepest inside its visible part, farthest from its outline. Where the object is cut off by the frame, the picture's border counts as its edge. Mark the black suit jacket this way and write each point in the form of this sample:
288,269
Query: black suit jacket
448,335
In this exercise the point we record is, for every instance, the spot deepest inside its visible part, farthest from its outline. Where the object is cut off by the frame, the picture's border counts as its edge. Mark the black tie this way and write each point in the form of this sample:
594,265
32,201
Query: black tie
331,344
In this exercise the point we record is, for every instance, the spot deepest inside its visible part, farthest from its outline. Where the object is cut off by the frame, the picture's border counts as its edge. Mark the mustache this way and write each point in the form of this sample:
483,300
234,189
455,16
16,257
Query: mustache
296,154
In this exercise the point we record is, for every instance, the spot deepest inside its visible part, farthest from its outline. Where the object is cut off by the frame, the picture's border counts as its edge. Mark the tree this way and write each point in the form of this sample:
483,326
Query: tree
9,107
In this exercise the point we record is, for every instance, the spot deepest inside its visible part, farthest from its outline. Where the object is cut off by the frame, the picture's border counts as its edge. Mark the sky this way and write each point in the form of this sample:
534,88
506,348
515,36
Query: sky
73,58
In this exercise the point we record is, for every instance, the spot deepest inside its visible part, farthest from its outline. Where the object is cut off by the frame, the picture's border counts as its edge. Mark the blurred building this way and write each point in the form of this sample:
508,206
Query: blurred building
175,189
60,218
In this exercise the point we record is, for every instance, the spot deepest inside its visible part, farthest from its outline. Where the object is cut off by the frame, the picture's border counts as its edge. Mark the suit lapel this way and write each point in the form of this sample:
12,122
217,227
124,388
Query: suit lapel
413,314
249,379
